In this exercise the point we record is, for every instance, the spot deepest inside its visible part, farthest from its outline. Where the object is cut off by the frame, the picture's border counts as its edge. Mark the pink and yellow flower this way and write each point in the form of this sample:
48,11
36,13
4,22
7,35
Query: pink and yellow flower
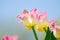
34,18
55,29
27,20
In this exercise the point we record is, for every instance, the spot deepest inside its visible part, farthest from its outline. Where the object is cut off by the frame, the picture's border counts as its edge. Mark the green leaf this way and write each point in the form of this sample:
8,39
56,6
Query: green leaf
49,35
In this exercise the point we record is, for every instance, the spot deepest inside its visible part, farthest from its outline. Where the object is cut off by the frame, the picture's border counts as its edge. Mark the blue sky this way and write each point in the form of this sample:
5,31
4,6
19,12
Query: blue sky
10,8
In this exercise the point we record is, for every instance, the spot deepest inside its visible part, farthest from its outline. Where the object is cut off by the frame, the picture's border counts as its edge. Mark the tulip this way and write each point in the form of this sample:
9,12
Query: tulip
34,20
27,19
55,29
43,23
8,37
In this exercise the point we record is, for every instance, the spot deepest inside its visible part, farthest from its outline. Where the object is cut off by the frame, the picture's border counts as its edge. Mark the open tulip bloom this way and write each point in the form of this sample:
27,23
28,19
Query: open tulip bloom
38,20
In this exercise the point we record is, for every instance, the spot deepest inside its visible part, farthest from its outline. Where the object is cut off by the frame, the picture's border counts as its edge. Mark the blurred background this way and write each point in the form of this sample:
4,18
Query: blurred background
10,8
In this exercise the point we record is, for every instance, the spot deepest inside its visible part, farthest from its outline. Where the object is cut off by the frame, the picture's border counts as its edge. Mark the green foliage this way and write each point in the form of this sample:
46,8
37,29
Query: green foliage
49,35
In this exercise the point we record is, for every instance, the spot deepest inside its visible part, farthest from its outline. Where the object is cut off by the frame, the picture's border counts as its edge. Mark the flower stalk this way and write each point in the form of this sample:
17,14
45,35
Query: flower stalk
34,33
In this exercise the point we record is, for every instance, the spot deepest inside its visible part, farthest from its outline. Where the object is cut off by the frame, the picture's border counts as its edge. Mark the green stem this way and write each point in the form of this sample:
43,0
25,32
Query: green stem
34,33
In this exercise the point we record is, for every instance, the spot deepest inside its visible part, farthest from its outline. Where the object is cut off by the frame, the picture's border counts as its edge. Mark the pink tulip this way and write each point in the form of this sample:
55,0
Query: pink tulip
53,22
54,26
8,37
55,29
32,18
33,14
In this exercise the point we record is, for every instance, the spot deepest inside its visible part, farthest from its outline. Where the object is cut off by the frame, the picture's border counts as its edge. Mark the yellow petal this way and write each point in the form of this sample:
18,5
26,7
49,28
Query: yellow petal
57,33
43,25
29,26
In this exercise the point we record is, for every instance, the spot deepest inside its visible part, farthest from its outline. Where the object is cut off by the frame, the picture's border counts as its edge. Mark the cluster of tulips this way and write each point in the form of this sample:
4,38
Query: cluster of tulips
35,20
